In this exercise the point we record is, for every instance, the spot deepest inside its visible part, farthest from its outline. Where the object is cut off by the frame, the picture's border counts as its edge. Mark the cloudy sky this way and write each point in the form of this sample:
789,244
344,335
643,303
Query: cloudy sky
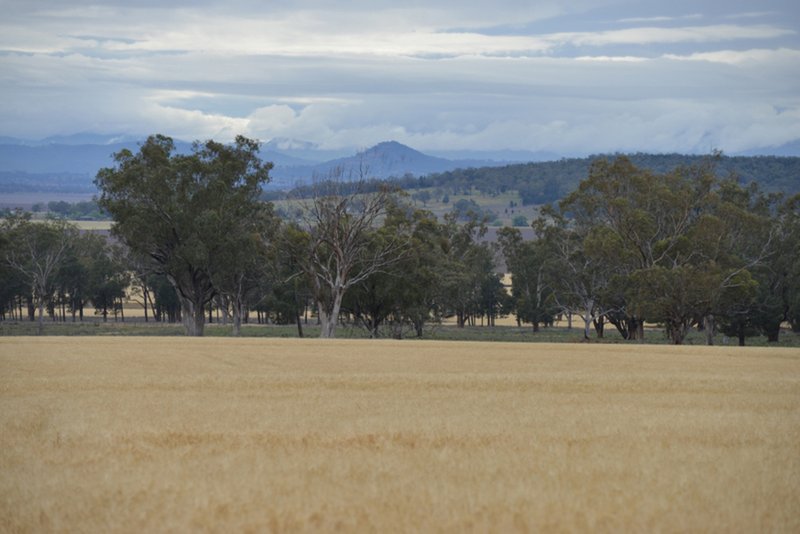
565,76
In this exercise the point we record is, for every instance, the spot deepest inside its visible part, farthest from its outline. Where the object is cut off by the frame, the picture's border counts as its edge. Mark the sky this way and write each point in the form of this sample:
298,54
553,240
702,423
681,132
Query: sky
567,76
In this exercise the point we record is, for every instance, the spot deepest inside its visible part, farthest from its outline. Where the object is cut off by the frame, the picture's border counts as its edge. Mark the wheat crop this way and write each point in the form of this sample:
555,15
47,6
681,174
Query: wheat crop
290,435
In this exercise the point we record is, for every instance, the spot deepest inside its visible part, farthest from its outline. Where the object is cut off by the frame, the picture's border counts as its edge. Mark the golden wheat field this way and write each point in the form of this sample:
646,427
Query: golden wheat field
106,434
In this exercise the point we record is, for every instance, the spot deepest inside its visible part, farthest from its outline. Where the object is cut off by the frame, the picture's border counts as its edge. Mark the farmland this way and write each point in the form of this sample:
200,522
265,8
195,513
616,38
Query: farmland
137,434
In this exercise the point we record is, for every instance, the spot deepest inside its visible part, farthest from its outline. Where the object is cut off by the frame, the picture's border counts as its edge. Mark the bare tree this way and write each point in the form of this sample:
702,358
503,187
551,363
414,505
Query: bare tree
339,246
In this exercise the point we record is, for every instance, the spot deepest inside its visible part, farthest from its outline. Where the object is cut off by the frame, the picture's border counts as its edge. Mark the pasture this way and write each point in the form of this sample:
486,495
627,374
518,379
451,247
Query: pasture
132,434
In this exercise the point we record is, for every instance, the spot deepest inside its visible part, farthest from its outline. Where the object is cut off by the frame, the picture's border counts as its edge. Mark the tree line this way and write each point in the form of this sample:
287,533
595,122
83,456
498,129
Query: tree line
192,233
548,181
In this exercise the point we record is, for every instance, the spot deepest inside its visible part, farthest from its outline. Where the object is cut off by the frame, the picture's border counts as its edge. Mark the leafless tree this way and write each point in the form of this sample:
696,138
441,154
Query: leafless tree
339,245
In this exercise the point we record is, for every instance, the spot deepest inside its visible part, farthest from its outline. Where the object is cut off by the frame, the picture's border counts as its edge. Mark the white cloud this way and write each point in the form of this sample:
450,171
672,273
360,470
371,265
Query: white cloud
751,15
737,57
433,74
663,18
627,59
687,34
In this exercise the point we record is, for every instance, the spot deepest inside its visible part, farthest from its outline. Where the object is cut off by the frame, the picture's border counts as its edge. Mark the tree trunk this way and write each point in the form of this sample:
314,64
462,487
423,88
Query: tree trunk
708,326
677,331
330,317
600,326
193,317
144,295
237,318
418,327
199,323
773,332
299,324
587,320
40,326
741,335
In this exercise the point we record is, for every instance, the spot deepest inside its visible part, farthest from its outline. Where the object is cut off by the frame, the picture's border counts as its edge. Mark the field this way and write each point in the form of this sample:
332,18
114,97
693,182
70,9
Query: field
137,434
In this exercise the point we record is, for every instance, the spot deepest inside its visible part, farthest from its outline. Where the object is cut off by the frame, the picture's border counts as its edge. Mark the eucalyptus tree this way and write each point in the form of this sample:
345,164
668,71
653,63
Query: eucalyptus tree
532,277
469,283
240,275
335,245
748,248
684,245
109,279
790,221
646,219
183,210
36,251
575,262
406,293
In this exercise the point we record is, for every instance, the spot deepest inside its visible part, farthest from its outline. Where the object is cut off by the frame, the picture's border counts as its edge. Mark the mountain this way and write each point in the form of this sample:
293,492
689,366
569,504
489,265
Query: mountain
65,162
790,149
27,165
384,160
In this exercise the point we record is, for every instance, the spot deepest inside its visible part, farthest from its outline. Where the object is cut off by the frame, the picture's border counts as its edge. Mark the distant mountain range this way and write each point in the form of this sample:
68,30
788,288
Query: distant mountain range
69,163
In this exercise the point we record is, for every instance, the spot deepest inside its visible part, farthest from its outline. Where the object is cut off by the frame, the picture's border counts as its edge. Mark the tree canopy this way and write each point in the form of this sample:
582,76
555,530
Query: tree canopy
184,211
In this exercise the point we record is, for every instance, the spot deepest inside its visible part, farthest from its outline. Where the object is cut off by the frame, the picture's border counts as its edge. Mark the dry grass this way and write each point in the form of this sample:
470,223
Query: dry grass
174,434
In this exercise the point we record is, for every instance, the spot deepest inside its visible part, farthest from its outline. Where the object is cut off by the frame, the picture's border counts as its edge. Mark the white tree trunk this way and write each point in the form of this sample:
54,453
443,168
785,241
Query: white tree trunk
329,314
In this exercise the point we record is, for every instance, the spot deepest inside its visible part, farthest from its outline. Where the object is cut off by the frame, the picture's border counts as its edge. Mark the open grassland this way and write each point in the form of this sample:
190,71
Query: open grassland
141,434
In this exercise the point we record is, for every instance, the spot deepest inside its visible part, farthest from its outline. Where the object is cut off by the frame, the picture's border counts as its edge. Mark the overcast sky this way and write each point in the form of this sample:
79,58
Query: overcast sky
566,76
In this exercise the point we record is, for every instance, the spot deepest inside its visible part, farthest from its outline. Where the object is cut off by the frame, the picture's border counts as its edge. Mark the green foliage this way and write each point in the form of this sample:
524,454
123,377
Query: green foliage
529,262
680,247
188,213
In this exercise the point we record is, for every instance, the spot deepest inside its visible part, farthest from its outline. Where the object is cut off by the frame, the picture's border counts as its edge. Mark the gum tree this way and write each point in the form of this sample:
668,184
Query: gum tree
36,250
183,210
335,246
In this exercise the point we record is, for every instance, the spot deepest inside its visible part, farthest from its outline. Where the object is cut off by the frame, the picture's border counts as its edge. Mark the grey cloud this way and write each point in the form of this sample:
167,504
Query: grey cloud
274,77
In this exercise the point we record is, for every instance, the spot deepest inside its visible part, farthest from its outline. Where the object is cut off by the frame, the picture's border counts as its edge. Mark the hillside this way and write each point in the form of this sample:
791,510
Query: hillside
69,164
545,182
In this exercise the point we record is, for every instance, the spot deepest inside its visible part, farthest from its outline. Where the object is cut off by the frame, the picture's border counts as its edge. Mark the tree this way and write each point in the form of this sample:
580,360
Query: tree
790,224
182,211
240,274
75,276
336,251
405,293
467,271
647,219
577,266
529,263
15,289
752,255
36,251
108,281
683,245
